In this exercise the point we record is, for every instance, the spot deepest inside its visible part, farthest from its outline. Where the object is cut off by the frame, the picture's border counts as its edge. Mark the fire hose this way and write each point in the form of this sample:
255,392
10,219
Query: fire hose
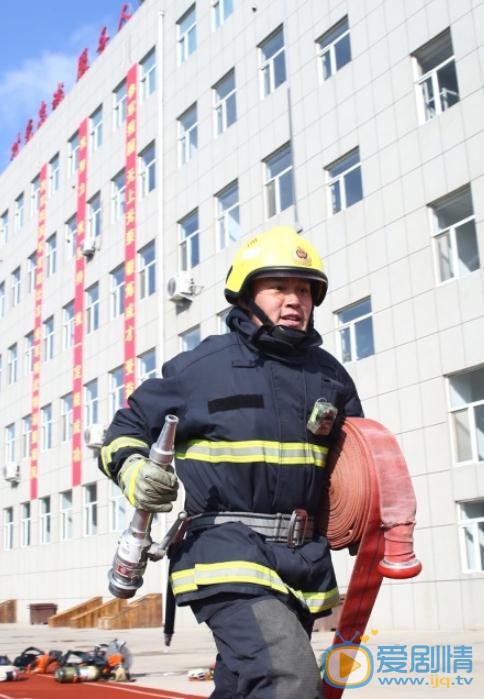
369,508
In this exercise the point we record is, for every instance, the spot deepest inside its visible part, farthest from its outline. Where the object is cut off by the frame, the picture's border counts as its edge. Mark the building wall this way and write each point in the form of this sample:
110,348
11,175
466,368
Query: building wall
381,248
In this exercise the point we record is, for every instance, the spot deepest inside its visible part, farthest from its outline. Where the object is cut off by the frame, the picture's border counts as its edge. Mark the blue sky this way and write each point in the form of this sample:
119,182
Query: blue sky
40,46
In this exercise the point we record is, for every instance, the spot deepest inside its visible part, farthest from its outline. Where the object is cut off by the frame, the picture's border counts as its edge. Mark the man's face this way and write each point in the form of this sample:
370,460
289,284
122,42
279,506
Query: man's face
285,300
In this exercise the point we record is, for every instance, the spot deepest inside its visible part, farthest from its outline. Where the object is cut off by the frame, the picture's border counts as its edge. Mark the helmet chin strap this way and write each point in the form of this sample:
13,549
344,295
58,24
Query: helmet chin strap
280,333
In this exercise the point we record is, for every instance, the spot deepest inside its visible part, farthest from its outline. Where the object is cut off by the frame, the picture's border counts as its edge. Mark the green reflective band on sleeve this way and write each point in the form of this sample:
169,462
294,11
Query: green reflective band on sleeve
203,574
110,449
281,453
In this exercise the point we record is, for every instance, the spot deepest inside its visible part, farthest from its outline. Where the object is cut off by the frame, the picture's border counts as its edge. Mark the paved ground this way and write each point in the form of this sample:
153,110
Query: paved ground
155,666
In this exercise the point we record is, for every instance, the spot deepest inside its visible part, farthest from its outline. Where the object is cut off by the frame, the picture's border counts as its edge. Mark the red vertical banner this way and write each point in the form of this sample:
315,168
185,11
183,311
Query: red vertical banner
38,291
130,235
79,271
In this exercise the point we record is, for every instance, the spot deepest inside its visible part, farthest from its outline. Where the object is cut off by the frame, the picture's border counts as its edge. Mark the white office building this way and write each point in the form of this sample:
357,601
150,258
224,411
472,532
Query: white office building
201,122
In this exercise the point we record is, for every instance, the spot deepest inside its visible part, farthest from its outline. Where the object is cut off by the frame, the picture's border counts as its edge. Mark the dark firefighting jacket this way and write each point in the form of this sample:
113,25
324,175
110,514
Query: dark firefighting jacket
242,445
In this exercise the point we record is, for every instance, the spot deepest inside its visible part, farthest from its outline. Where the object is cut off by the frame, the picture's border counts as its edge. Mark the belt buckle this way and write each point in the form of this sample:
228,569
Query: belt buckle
298,525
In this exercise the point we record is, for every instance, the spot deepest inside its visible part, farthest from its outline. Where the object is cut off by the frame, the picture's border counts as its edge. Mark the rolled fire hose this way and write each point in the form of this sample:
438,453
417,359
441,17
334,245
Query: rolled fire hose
369,508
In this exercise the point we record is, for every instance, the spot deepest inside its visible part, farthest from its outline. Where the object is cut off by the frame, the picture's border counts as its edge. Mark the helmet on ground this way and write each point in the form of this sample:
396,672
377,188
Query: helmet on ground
279,252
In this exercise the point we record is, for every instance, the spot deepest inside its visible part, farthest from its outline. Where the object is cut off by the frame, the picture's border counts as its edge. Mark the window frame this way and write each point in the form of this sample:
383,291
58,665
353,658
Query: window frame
326,46
117,292
338,182
92,309
89,509
222,104
351,326
187,135
8,528
91,403
147,171
25,525
470,523
147,270
45,520
223,216
273,182
189,242
186,37
148,74
120,104
66,515
269,81
96,129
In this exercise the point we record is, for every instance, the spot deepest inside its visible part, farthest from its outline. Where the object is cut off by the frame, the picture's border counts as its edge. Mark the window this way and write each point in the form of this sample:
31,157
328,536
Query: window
19,213
224,106
272,62
344,181
45,520
68,326
66,417
190,339
94,217
46,424
16,286
471,531
91,403
66,515
466,395
116,389
90,509
187,35
355,330
2,299
118,189
221,9
96,130
71,237
8,529
222,326
12,364
148,75
278,181
73,154
48,338
26,436
51,255
189,241
147,169
25,524
31,270
117,291
437,87
92,308
228,224
10,443
187,134
34,195
54,174
120,108
4,228
147,365
455,237
334,49
120,509
147,270
29,353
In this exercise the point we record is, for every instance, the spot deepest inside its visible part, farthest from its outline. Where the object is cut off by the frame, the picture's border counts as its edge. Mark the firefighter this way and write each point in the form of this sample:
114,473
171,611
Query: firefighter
258,409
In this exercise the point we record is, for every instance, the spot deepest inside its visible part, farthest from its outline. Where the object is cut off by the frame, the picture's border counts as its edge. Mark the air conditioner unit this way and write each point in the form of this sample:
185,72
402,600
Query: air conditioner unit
94,436
180,287
88,247
11,472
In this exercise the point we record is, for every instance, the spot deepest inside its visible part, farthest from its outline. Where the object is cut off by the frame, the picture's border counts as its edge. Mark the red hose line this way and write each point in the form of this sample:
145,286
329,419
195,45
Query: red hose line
369,507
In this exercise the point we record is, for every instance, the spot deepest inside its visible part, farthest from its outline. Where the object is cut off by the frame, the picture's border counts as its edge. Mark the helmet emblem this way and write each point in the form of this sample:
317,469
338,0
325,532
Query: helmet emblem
301,253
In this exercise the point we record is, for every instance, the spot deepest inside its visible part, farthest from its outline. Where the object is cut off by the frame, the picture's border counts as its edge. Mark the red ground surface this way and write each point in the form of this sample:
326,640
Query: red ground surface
45,687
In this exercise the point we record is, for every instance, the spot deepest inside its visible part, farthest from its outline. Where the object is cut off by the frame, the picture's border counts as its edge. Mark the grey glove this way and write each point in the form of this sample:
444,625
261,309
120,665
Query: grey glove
147,486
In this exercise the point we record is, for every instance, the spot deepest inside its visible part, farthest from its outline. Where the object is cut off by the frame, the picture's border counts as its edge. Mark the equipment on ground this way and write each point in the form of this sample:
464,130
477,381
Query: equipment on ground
135,546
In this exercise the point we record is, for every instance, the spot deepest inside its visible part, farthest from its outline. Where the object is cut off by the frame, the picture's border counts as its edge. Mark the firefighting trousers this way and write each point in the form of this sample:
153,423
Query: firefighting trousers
263,648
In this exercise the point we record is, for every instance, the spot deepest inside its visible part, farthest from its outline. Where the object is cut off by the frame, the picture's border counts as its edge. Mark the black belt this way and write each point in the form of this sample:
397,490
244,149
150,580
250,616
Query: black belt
293,529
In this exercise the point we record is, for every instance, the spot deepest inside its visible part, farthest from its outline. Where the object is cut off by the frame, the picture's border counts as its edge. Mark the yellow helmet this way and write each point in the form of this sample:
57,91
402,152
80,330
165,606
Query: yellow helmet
280,252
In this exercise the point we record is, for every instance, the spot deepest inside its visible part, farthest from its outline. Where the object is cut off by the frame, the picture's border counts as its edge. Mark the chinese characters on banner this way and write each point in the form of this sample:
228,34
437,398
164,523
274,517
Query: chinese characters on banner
130,234
38,287
79,269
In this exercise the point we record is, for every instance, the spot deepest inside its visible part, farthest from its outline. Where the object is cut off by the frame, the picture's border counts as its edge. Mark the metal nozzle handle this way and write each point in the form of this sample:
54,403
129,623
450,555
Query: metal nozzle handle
162,451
